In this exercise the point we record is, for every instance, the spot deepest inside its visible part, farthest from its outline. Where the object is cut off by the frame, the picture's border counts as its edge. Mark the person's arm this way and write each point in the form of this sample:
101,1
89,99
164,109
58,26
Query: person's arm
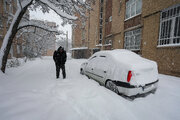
65,57
54,56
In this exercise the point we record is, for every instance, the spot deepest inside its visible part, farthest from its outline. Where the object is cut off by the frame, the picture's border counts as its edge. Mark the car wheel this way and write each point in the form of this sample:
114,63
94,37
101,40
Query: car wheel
112,86
81,71
88,77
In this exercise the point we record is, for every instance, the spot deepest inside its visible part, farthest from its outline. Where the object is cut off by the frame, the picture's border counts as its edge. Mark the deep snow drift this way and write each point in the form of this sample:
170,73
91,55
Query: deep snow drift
31,92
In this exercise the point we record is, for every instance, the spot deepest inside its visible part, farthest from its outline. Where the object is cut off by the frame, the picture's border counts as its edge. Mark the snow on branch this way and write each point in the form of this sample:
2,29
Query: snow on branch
22,3
39,25
58,10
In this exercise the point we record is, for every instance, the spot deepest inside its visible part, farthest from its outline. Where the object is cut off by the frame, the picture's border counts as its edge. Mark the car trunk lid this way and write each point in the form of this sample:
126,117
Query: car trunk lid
145,73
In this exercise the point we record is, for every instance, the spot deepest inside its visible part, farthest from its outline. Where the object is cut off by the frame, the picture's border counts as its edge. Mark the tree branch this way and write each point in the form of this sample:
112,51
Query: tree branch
39,25
20,4
57,10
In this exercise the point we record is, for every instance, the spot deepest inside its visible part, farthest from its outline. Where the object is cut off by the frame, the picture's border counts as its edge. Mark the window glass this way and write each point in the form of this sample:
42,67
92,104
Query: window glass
138,6
110,19
101,21
1,24
133,7
100,30
101,15
100,36
133,10
101,9
127,12
133,39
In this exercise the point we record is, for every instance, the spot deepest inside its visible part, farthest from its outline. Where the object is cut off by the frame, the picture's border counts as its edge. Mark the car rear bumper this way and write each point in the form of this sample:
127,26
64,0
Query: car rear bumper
131,90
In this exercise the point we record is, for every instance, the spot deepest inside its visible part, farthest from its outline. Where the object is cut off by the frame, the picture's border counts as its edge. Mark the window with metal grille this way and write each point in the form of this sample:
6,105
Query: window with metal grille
1,23
169,34
1,27
133,39
133,8
101,22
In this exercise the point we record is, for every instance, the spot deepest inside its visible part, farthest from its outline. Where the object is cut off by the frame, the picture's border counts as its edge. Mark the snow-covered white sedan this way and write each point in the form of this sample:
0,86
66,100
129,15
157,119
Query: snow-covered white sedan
122,71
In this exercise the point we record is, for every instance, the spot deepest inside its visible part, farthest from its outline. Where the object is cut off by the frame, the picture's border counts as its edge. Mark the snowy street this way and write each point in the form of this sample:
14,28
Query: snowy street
32,92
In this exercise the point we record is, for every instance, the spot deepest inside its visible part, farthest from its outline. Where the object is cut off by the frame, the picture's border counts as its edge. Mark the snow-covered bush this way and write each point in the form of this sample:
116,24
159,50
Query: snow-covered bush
15,62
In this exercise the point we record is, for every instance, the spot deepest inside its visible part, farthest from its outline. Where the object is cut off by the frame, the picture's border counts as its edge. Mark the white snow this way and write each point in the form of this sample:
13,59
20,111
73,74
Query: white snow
80,48
31,92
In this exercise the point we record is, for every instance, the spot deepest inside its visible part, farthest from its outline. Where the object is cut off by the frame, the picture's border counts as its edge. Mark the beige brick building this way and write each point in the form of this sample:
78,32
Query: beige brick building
150,28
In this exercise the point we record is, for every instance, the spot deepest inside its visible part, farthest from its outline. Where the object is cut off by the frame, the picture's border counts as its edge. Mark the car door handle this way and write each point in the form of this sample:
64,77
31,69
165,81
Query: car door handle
104,71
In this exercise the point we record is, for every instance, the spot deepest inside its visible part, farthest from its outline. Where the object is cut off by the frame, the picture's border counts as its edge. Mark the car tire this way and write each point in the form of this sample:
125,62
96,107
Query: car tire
88,77
112,86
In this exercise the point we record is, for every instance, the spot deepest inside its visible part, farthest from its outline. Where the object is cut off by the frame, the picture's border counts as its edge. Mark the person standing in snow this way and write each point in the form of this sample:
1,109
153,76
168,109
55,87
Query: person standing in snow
60,57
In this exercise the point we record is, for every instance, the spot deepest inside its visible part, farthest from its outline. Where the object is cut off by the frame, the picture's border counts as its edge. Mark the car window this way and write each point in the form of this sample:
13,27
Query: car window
92,58
102,56
102,63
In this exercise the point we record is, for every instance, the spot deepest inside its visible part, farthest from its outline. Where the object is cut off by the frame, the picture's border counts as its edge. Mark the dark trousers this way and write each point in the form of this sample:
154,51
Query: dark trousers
62,67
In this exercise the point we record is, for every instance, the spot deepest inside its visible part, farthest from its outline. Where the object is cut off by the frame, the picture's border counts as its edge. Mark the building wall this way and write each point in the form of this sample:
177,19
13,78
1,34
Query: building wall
93,30
118,13
135,21
168,58
108,38
152,6
108,14
76,31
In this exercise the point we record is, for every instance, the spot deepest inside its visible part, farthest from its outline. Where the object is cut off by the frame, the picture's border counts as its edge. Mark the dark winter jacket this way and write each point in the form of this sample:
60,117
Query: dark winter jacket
59,56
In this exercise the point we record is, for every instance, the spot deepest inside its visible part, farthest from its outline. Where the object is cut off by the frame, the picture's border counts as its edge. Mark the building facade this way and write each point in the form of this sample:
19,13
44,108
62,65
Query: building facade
151,28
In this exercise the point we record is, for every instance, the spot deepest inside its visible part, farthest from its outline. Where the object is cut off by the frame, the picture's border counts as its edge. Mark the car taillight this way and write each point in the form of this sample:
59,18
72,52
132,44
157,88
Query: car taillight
129,76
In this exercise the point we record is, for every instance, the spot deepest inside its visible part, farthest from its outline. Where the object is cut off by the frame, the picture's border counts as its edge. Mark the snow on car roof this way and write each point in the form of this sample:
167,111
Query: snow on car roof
126,57
119,54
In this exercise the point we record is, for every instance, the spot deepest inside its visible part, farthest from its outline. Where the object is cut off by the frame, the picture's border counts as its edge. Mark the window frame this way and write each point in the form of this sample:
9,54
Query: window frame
130,39
1,22
129,5
168,19
101,21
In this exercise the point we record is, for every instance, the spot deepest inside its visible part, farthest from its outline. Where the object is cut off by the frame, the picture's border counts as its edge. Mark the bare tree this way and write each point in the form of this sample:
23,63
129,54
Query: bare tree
38,41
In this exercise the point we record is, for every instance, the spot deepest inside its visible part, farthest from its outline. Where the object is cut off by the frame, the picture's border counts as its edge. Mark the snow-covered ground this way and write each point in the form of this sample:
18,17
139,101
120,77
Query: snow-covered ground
31,92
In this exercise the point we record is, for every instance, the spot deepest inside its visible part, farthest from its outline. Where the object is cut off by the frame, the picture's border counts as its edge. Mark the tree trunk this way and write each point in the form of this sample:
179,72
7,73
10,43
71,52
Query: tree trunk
11,37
